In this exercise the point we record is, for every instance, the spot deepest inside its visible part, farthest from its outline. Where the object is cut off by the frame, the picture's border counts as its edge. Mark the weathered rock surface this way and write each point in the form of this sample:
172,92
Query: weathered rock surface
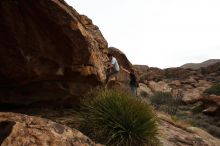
153,73
47,52
23,130
193,95
159,86
180,134
193,90
144,90
178,73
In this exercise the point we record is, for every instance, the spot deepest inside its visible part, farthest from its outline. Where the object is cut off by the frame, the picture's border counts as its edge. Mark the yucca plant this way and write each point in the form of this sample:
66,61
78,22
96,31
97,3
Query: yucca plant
115,118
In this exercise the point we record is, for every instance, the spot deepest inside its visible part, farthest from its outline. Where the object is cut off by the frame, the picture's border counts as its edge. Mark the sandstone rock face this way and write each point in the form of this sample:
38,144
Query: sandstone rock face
195,92
47,47
144,90
192,95
159,86
180,134
153,73
18,129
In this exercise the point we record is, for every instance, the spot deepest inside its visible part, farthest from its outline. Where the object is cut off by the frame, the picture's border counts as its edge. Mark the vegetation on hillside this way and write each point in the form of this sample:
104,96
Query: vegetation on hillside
214,89
164,101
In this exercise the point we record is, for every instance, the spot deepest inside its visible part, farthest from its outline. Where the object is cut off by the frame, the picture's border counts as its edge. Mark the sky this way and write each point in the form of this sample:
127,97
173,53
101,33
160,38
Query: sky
158,33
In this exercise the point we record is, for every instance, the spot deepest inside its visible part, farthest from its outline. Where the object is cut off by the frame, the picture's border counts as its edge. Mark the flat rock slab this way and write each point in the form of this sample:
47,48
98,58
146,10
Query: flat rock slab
23,130
180,134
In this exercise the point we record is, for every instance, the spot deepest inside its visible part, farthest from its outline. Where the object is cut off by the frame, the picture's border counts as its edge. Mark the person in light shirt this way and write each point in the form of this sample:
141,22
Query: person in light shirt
113,67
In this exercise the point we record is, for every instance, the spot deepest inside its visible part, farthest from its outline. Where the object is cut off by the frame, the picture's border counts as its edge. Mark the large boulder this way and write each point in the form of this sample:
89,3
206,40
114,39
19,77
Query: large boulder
153,73
159,86
144,90
192,95
23,130
195,93
47,52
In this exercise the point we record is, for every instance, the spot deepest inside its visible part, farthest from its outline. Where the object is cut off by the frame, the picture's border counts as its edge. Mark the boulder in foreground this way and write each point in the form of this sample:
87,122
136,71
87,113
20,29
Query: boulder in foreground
23,130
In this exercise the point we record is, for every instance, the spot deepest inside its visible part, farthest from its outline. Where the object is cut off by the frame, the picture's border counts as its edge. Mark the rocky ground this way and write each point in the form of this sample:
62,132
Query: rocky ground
23,130
188,85
172,131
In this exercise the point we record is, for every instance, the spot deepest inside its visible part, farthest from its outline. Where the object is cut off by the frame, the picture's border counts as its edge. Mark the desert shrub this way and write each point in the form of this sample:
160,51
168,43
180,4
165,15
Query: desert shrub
115,118
166,102
214,89
203,71
197,109
175,118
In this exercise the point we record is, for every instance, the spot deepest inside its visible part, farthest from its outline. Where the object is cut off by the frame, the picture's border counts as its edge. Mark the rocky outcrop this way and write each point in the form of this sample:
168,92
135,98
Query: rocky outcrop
19,129
211,104
192,90
144,90
177,133
47,52
153,73
159,86
179,73
193,95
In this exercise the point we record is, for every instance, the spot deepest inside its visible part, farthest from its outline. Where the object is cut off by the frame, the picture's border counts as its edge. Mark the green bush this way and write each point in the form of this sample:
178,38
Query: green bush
214,89
115,118
166,102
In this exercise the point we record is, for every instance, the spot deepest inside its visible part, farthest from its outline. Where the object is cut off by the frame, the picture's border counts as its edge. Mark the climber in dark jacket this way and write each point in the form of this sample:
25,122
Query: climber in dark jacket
133,80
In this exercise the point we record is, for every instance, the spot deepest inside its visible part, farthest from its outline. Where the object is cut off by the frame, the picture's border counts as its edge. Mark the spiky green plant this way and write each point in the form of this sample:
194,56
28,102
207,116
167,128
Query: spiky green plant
115,118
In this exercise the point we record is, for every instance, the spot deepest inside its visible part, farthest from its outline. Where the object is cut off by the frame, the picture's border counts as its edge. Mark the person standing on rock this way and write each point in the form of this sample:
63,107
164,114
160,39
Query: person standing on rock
113,68
133,81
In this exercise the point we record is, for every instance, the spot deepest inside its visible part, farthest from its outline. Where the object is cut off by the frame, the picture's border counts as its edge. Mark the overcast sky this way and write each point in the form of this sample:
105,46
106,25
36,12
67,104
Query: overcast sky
159,33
